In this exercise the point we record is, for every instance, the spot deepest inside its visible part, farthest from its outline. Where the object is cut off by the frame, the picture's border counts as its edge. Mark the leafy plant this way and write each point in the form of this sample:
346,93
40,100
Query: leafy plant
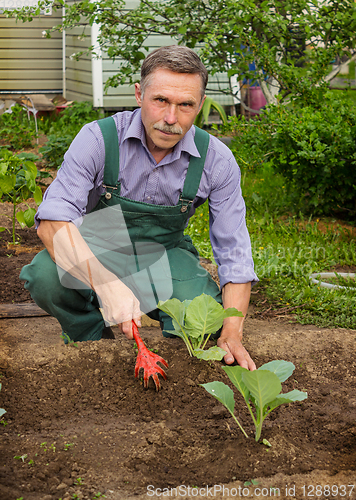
253,482
203,115
54,149
17,185
261,390
74,116
15,128
194,321
63,130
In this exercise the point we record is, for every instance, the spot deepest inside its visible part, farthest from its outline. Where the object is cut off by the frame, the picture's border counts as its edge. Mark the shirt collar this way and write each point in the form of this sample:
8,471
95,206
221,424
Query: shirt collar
136,131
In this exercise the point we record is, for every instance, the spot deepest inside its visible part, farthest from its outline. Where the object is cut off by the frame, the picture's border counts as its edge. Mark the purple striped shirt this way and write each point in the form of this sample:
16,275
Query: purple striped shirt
78,186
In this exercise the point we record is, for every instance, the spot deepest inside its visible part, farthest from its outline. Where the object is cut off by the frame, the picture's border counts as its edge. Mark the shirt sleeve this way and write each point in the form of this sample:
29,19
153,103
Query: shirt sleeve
75,189
229,236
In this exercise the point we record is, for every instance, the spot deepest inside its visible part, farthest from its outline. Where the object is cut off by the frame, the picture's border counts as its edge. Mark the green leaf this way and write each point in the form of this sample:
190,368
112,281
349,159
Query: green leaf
31,168
21,219
288,397
3,168
203,114
221,111
176,332
28,156
7,183
235,375
182,30
204,315
222,393
214,353
174,308
37,195
29,216
263,385
30,180
206,108
283,369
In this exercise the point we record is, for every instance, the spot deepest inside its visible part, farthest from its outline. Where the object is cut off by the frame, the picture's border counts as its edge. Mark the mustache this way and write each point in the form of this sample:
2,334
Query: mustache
169,129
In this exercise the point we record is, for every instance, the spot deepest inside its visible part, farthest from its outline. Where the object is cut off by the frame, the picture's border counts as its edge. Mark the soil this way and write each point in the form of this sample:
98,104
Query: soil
78,423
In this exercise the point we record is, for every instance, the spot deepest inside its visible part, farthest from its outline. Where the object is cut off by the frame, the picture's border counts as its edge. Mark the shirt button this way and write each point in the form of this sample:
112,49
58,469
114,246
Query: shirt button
148,198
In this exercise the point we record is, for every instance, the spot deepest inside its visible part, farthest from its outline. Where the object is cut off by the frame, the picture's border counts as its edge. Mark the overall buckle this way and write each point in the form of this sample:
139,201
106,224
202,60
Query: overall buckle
108,194
185,204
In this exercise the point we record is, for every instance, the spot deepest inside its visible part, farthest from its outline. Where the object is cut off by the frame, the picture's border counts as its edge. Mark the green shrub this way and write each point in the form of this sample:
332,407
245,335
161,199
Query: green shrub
315,150
312,146
250,142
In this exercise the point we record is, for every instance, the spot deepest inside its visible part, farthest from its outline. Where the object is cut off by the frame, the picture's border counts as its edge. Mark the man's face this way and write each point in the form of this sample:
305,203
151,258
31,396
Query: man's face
169,106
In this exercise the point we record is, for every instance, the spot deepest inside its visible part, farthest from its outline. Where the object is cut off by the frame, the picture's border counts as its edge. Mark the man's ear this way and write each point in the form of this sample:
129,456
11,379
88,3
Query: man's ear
202,102
138,95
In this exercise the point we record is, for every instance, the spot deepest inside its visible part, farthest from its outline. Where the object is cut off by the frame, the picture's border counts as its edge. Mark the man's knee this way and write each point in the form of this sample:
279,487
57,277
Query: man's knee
40,276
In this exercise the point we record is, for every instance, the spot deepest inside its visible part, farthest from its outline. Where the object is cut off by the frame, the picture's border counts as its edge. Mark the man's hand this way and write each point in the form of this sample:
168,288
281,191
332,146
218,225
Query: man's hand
230,342
69,250
120,306
235,295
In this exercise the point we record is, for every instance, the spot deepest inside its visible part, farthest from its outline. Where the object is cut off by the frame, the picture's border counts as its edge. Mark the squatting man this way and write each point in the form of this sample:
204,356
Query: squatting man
153,168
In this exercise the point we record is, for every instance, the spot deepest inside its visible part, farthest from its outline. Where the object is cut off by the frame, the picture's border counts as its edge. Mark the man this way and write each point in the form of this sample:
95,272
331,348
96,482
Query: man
158,181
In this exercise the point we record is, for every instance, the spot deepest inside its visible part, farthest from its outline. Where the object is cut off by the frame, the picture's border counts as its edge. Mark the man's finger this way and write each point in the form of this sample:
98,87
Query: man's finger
238,353
126,328
137,321
228,358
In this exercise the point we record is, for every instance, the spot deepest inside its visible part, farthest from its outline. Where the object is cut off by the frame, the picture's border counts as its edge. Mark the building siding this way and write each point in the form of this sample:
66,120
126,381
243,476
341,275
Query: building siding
78,73
28,62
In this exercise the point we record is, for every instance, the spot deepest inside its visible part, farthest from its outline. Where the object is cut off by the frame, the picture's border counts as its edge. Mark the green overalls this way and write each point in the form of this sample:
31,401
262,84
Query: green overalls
77,310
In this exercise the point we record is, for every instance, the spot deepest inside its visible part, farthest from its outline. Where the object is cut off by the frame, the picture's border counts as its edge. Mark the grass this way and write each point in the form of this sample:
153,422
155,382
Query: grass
286,250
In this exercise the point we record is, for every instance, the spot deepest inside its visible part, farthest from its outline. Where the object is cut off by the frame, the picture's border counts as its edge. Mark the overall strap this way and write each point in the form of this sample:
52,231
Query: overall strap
195,169
111,169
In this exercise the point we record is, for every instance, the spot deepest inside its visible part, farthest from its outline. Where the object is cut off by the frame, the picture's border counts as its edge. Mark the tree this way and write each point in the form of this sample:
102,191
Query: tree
291,42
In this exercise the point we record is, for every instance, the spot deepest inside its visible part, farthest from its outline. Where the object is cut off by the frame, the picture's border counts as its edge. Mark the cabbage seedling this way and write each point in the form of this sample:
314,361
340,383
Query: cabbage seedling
195,320
261,390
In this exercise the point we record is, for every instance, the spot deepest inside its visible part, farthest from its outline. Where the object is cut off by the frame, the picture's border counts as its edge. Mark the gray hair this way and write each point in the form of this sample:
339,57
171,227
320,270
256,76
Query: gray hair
175,58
